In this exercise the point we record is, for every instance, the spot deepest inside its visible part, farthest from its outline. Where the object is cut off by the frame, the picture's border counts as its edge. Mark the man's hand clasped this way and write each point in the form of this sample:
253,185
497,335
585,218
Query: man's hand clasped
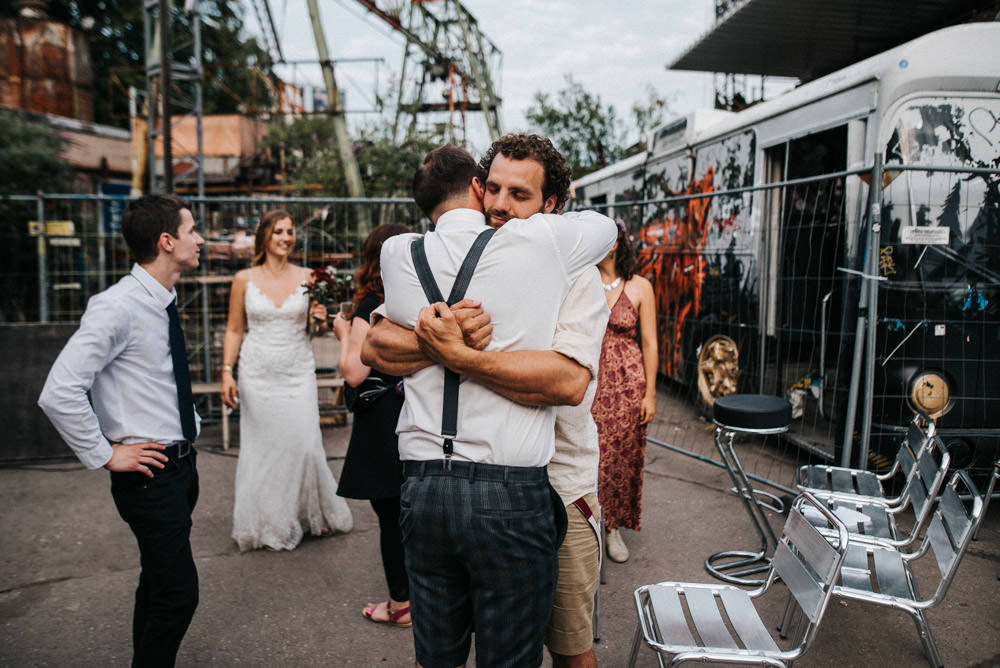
445,333
136,457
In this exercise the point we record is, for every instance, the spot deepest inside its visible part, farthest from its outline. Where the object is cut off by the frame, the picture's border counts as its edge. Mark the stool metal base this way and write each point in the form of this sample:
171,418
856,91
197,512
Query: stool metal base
743,563
772,502
736,566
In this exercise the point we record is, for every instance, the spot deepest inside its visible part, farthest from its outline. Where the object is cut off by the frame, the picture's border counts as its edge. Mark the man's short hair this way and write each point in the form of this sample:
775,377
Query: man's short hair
146,218
447,171
558,173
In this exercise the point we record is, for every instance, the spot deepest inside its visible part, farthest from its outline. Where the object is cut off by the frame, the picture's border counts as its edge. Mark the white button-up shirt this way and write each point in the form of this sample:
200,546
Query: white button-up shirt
521,279
121,355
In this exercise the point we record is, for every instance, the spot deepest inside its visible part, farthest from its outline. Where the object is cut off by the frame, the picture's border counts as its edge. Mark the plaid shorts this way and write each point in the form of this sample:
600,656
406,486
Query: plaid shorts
481,543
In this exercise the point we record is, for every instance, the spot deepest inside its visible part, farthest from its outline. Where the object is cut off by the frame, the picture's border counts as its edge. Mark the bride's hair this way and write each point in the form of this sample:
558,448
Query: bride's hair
265,228
368,279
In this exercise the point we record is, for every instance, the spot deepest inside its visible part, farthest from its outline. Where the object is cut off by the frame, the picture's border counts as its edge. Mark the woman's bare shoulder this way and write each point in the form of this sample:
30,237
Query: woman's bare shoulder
641,283
305,274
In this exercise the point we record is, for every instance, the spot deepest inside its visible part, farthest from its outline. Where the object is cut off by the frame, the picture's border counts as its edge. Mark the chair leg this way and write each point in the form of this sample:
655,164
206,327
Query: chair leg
636,642
930,647
786,618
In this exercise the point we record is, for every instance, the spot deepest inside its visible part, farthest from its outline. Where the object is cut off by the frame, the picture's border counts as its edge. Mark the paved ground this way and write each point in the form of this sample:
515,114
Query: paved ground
68,568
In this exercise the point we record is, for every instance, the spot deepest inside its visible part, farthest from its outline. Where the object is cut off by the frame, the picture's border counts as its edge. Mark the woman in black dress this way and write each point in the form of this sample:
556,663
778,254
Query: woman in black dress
371,467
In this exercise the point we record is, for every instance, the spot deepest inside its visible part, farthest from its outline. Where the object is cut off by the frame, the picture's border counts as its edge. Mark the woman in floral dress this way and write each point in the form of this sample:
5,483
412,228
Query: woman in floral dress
626,392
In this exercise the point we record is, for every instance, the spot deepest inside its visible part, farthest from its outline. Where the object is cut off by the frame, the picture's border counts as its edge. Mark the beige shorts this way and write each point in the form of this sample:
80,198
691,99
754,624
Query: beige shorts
571,627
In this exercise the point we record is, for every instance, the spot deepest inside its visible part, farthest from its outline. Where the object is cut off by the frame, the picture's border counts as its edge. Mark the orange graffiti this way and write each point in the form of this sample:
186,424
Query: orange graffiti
671,258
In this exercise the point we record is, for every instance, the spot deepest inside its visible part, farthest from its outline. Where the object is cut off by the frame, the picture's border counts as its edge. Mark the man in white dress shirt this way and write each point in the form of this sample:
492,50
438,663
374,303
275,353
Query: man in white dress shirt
129,354
478,526
517,188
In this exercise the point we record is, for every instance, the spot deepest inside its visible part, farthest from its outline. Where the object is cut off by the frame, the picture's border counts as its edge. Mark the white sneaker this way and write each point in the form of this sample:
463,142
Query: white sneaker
616,546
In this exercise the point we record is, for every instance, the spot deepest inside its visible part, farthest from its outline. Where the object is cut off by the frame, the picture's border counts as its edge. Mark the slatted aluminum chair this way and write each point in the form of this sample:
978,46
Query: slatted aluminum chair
822,481
805,561
871,520
884,576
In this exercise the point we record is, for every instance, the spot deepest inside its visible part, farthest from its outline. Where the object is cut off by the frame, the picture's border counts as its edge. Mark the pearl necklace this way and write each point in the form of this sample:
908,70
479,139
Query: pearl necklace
608,287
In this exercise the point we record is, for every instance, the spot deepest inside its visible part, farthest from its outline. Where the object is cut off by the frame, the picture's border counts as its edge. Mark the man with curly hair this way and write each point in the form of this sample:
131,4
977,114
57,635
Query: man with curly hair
536,174
525,176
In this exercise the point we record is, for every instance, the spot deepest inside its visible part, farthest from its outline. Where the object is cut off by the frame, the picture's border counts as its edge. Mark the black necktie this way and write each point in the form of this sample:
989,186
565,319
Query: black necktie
182,376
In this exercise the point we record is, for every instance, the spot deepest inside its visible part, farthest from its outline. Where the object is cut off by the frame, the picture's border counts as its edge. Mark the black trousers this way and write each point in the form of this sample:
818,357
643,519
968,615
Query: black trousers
158,511
391,543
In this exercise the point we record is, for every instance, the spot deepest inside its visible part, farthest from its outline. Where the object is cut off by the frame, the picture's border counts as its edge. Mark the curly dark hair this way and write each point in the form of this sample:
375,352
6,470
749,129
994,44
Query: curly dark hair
625,264
521,146
368,279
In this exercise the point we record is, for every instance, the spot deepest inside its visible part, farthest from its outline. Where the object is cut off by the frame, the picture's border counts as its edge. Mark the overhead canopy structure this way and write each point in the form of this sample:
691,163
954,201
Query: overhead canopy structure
806,40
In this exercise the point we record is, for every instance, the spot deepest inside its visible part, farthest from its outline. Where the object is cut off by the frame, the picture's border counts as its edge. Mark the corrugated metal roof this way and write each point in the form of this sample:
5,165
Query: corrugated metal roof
807,39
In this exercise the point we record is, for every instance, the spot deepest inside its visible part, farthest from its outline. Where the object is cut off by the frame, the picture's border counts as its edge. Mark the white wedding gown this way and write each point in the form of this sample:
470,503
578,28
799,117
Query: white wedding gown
284,486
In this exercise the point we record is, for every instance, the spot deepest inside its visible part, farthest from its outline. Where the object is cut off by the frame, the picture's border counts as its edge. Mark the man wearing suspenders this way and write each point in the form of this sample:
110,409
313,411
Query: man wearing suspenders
478,514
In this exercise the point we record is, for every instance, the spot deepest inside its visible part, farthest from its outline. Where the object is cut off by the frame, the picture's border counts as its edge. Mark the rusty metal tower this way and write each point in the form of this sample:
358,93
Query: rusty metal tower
449,65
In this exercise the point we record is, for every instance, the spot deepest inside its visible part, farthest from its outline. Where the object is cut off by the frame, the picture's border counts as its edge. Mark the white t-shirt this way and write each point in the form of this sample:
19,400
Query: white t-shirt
522,278
583,318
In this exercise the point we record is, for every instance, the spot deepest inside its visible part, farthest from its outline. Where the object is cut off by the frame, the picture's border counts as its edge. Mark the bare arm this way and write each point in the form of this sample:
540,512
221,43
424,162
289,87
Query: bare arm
394,350
531,377
650,353
235,327
352,336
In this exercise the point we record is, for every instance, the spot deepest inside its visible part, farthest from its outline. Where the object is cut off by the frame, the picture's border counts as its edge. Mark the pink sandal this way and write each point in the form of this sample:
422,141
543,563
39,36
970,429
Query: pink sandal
394,615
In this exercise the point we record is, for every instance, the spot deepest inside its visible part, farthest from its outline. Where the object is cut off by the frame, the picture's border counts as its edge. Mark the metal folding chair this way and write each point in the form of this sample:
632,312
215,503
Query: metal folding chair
869,519
748,414
822,480
882,575
805,561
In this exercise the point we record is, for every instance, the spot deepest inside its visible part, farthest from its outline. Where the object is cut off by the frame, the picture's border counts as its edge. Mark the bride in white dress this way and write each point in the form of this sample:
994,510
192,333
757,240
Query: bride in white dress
284,486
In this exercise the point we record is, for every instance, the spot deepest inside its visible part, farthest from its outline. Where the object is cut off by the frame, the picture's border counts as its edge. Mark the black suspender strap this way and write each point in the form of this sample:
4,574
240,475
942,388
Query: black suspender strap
449,409
427,282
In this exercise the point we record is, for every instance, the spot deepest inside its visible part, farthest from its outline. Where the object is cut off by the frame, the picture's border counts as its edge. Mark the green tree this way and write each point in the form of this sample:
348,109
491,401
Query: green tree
29,161
307,148
116,41
30,155
586,131
647,114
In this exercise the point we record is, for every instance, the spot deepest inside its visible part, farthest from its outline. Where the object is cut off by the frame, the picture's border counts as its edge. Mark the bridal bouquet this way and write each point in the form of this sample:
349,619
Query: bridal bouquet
325,289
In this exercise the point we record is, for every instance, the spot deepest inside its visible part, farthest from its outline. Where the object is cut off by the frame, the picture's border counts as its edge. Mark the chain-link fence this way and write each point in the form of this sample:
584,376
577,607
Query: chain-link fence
857,305
62,249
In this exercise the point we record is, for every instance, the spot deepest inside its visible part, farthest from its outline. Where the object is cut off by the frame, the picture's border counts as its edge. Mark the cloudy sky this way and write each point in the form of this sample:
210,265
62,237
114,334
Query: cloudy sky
615,49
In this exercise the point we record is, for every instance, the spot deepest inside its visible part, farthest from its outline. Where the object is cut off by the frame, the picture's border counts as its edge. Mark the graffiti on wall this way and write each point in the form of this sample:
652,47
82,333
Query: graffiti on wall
954,133
687,247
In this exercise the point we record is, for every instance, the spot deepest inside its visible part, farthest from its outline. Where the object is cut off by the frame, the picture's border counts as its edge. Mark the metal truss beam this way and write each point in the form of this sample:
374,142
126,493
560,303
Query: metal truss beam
446,56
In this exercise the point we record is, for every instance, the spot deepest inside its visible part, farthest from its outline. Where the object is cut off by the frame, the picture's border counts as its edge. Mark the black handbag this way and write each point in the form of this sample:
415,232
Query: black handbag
359,399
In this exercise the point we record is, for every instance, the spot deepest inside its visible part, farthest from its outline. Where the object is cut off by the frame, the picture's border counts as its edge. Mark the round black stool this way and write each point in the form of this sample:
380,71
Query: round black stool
747,414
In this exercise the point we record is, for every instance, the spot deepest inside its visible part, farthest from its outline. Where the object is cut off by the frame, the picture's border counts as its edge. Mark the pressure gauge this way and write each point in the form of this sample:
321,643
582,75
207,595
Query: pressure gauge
930,392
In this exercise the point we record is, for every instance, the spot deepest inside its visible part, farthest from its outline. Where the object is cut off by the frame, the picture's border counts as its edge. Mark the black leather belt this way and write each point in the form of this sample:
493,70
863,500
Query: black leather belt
179,449
474,471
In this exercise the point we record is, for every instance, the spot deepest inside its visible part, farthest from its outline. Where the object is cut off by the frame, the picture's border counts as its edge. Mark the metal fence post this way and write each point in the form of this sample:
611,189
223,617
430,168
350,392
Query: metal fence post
43,245
101,250
865,319
871,278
